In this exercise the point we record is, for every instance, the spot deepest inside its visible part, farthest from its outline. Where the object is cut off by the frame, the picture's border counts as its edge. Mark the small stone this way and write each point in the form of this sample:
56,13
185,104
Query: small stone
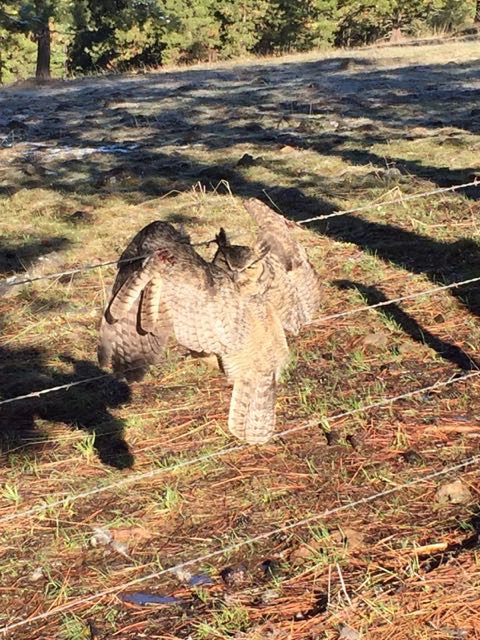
183,575
270,595
101,537
393,172
412,457
37,574
287,149
454,493
246,161
234,576
347,633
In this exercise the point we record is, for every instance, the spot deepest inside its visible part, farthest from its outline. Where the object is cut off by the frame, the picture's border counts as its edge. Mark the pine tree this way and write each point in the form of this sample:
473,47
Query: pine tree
192,30
33,18
298,25
241,25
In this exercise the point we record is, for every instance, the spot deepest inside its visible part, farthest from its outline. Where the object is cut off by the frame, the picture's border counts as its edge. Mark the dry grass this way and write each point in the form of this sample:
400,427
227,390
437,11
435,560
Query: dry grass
326,133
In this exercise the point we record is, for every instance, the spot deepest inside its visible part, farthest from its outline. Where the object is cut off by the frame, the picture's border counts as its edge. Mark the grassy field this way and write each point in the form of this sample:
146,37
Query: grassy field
83,166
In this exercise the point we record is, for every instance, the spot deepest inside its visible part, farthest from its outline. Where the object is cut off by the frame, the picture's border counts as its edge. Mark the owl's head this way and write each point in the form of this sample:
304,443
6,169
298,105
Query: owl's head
231,257
244,264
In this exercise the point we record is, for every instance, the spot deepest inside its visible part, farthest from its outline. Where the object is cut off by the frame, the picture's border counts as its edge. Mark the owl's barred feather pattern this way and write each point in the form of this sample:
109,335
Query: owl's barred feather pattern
238,307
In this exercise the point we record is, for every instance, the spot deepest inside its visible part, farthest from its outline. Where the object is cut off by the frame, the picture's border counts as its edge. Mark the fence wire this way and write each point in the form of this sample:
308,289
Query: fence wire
333,316
41,508
13,282
153,473
238,545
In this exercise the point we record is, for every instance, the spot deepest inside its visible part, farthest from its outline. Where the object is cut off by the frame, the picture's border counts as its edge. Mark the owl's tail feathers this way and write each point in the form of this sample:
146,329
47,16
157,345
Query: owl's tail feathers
252,408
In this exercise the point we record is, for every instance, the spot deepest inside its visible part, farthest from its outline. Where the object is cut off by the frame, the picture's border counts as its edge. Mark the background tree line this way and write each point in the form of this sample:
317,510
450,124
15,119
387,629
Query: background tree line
59,37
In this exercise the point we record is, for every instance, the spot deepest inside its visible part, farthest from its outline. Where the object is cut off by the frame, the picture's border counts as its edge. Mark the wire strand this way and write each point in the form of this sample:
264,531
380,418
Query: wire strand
152,473
60,387
341,314
385,303
12,282
401,200
240,544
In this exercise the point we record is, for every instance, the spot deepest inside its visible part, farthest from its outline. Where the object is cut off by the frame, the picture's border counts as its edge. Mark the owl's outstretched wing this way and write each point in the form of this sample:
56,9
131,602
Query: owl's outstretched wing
135,326
174,292
295,290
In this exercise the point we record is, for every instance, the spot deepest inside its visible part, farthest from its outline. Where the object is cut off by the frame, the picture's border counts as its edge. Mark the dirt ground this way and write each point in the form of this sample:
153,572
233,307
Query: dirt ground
84,164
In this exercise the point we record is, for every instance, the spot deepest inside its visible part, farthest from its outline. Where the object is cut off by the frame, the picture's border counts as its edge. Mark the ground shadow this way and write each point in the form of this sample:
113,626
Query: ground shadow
21,256
448,351
441,262
112,134
25,370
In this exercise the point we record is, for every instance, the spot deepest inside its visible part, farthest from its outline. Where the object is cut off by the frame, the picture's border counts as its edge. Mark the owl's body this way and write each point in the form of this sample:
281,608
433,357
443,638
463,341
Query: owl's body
238,307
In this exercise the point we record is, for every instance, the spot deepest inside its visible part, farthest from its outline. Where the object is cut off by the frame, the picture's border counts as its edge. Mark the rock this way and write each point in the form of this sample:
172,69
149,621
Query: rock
270,595
454,493
412,457
347,633
392,172
183,575
37,574
288,149
234,576
101,537
246,161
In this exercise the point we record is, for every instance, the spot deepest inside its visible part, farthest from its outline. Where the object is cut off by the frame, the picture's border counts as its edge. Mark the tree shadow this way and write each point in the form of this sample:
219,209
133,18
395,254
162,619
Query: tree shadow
448,351
271,105
441,262
25,371
19,257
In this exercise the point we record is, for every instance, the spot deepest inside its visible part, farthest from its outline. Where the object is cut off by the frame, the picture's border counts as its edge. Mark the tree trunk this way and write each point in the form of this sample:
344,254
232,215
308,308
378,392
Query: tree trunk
43,52
477,13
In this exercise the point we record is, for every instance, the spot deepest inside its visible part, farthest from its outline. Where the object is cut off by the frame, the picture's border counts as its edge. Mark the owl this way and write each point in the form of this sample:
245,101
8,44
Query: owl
240,306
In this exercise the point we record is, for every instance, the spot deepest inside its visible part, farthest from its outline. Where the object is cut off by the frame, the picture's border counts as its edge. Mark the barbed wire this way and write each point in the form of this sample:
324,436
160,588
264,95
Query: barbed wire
13,282
60,387
386,303
152,473
333,316
404,198
240,544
